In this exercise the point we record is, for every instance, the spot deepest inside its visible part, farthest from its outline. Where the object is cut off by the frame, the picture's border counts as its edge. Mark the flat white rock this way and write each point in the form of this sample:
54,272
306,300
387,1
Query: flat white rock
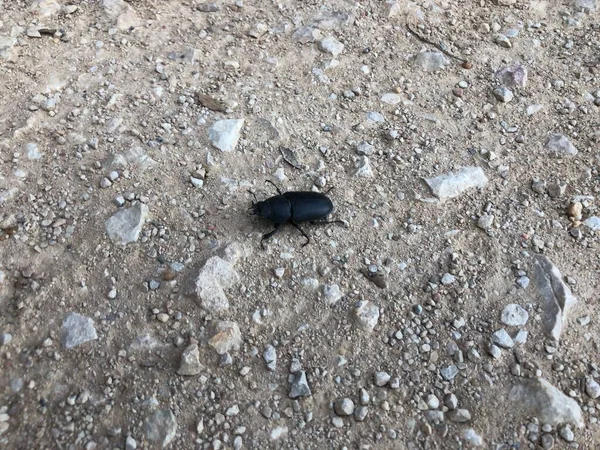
451,185
225,134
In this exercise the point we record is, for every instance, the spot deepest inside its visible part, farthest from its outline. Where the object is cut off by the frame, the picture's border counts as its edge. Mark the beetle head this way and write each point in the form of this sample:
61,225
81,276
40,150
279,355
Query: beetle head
261,209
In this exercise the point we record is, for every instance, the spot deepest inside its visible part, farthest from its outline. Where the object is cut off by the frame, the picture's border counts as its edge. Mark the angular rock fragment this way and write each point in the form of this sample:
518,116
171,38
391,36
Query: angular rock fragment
331,45
556,296
161,427
431,60
210,284
514,315
451,185
190,361
536,397
559,145
226,337
366,315
300,387
76,330
125,225
225,134
515,75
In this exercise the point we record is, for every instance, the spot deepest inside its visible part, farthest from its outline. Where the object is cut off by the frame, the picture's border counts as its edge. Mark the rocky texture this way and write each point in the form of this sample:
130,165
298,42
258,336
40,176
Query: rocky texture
190,361
556,296
514,315
560,145
451,185
76,330
213,279
160,428
125,226
225,134
226,337
536,397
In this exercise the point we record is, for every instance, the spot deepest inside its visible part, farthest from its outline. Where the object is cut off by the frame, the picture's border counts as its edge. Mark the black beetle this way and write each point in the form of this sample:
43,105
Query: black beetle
293,207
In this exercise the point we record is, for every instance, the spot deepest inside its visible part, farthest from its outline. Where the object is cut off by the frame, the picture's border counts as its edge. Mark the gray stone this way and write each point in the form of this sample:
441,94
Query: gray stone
556,296
536,397
391,98
494,351
559,145
523,282
503,41
460,415
208,7
5,338
514,315
270,357
332,293
451,185
589,5
375,117
364,148
592,388
593,223
381,378
547,441
448,279
190,361
300,387
473,438
337,422
566,433
360,413
432,401
363,168
46,8
225,134
515,75
130,443
161,427
366,315
431,60
485,221
32,151
331,45
226,337
76,330
125,225
213,278
344,407
449,373
503,94
450,401
6,47
502,339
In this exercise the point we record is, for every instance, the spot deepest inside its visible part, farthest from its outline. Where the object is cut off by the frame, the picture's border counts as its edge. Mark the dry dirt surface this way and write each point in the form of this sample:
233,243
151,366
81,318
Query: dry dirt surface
455,305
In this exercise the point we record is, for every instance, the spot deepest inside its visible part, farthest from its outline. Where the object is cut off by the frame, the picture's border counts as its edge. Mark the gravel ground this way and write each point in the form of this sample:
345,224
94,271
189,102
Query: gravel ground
454,306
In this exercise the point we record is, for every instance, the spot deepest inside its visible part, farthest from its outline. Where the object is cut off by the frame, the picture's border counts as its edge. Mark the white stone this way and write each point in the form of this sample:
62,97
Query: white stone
76,330
331,45
161,427
215,276
556,296
391,99
536,397
367,315
225,134
592,223
451,185
125,225
226,337
332,293
560,145
431,60
514,315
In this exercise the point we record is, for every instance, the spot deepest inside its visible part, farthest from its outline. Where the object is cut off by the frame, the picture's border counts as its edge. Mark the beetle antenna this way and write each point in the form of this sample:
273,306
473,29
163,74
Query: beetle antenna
274,185
253,195
329,190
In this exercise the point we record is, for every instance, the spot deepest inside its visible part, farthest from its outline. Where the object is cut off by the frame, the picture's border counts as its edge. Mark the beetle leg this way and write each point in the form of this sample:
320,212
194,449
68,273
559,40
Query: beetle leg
319,222
269,234
275,186
303,234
